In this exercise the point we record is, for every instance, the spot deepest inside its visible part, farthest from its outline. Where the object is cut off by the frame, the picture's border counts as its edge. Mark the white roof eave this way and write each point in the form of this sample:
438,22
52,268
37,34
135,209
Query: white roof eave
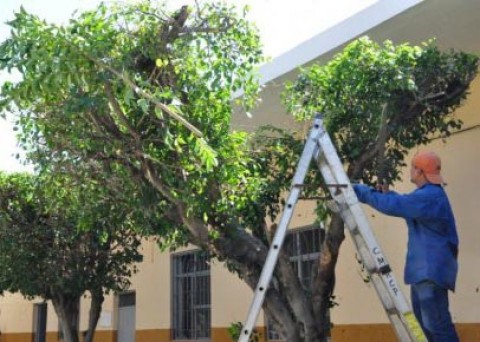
351,27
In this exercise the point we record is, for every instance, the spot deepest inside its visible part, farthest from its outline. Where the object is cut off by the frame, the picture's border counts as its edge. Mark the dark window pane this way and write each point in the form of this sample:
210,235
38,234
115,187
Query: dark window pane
309,241
289,245
191,296
126,299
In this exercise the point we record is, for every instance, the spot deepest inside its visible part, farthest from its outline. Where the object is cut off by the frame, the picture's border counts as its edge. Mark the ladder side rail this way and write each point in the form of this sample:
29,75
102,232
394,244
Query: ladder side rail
401,328
309,151
401,310
387,274
403,333
347,195
383,292
355,218
404,323
355,222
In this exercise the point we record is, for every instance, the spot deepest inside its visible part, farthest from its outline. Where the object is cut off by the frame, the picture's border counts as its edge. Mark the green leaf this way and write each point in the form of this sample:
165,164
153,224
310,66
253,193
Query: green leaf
143,104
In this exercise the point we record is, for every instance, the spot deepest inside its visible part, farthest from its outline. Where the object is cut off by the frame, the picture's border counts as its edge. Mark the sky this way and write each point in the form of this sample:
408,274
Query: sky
283,24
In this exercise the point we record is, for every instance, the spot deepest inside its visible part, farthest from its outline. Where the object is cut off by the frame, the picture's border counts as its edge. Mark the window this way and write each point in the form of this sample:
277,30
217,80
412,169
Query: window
191,296
39,322
303,247
126,320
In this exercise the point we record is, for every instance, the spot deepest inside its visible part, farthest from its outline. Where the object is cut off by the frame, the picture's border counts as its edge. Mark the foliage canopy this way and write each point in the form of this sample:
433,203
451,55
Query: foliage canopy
381,100
138,89
67,242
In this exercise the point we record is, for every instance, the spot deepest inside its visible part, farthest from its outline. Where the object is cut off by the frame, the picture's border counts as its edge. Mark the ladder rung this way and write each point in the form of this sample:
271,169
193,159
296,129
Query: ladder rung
385,269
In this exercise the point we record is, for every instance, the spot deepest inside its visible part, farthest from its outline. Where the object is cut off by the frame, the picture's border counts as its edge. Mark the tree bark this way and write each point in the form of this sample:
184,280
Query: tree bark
67,309
323,282
94,315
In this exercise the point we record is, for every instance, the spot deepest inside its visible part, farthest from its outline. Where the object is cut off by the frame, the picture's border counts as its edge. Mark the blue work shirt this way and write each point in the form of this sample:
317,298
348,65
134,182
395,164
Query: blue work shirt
432,235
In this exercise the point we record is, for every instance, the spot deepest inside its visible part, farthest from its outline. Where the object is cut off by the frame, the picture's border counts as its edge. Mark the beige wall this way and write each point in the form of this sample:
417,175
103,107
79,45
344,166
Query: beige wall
12,309
152,285
230,297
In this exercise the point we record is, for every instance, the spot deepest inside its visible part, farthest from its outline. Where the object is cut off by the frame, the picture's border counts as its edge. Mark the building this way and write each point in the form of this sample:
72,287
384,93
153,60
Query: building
181,297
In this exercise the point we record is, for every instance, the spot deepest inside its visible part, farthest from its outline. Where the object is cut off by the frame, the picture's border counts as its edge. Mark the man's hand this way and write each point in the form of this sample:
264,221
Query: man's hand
382,187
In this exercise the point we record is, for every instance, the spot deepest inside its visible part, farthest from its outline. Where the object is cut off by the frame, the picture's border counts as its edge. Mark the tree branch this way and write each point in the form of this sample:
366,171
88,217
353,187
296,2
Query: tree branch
163,20
378,148
102,121
382,139
146,95
195,226
200,29
118,111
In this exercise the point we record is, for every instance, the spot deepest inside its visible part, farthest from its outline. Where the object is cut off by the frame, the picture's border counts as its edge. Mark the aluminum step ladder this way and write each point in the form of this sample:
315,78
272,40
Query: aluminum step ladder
319,147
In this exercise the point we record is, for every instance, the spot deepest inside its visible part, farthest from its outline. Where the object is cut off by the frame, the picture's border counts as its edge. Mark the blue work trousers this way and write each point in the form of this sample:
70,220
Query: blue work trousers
430,305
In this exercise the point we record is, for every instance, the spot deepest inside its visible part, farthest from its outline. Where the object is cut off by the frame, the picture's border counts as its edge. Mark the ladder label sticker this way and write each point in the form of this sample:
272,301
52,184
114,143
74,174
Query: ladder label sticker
392,283
379,256
414,326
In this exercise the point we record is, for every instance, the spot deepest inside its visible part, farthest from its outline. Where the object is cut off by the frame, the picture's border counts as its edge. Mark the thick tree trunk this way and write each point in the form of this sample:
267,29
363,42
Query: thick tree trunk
323,282
287,305
67,309
94,316
296,316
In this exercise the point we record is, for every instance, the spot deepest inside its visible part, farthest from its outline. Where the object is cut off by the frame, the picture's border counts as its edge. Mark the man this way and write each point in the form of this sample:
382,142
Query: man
431,265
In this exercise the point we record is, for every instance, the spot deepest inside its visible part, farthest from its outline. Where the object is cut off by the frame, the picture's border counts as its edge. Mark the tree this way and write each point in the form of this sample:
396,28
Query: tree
59,241
379,102
145,94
